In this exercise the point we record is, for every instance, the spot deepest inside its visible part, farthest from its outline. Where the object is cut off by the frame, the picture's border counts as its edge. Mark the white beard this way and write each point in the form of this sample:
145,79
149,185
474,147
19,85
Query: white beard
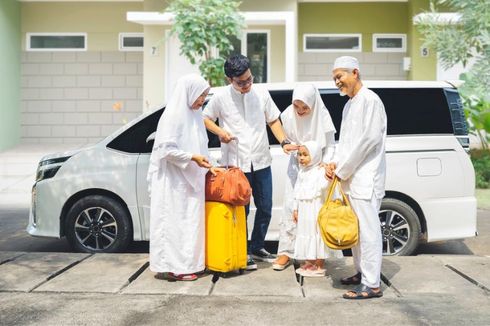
342,94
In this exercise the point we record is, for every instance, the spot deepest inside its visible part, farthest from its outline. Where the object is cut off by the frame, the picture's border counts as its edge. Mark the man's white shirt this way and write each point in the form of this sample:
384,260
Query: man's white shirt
244,116
360,155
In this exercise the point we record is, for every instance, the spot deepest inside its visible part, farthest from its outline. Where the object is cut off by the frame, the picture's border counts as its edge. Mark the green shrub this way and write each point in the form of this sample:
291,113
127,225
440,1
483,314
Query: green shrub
481,163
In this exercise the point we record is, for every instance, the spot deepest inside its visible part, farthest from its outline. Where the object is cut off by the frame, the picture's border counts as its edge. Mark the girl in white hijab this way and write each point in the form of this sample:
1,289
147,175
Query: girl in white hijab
305,119
309,195
176,176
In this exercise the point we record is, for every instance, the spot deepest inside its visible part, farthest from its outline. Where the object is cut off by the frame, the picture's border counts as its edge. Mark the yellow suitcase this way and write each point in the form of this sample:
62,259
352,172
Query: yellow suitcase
226,237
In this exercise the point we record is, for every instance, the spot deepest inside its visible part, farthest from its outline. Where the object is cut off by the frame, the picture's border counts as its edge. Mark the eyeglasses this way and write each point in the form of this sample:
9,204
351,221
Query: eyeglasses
244,83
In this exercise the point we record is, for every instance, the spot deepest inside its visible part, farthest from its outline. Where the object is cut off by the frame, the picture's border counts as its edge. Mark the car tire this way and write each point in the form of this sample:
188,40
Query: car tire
400,228
97,224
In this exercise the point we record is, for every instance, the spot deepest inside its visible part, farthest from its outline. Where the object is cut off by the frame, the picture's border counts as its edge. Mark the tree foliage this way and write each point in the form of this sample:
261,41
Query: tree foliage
204,28
460,41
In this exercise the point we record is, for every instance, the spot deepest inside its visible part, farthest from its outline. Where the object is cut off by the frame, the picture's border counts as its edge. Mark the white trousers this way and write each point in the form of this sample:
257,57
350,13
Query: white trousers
368,253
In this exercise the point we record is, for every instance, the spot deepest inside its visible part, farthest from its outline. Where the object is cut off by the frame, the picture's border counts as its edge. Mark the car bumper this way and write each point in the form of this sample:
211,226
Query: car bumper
450,218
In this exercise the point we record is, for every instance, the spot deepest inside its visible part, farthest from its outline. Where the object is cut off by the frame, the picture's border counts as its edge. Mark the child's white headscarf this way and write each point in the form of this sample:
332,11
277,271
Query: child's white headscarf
311,180
315,154
182,127
313,126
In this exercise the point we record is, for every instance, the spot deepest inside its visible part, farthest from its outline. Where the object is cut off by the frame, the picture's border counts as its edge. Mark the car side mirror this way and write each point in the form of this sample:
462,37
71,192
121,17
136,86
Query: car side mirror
151,137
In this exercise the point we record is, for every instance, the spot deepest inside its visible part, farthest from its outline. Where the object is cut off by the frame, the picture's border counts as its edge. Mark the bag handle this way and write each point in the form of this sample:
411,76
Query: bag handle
228,154
333,185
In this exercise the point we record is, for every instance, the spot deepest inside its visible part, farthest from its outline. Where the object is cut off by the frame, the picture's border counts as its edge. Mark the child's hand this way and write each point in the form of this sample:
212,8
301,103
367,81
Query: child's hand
295,216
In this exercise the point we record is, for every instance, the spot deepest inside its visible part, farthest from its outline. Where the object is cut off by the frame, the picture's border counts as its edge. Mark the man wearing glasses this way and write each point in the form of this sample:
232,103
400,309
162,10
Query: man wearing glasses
243,111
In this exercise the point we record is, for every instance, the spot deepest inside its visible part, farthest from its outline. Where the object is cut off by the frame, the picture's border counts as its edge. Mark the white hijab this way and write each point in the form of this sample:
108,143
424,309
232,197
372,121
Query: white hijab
310,181
182,127
313,126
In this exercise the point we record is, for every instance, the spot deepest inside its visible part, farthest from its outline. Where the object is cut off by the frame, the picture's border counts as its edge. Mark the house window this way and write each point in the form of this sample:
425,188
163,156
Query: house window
131,41
389,42
332,42
56,42
255,44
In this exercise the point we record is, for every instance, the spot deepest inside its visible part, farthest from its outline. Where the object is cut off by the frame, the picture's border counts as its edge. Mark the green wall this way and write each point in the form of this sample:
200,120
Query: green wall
423,68
364,18
9,73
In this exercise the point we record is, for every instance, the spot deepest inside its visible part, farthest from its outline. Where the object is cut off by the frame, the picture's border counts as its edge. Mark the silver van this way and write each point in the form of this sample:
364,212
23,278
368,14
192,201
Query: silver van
97,196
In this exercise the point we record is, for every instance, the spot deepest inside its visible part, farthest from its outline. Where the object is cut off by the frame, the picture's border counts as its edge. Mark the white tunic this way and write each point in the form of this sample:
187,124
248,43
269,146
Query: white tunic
317,126
361,165
360,155
245,116
177,223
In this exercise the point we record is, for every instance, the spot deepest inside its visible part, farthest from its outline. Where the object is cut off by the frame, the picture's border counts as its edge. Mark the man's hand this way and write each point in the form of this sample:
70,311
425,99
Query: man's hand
288,148
330,170
225,137
295,216
201,160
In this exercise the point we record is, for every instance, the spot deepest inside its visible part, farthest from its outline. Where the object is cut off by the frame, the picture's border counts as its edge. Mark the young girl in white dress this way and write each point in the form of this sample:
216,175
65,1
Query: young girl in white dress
309,195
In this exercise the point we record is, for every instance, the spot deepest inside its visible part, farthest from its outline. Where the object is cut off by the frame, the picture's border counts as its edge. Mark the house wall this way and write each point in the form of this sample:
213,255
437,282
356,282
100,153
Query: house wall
423,68
9,73
359,18
79,97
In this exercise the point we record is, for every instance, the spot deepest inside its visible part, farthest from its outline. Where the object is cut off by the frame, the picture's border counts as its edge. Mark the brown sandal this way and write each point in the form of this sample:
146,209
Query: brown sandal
352,280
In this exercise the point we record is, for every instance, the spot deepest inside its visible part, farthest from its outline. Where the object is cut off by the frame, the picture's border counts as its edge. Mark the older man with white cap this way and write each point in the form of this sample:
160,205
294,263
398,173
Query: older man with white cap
359,162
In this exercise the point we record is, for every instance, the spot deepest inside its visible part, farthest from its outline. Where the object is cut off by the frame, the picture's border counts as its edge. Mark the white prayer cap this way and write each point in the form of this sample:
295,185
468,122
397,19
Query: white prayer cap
346,62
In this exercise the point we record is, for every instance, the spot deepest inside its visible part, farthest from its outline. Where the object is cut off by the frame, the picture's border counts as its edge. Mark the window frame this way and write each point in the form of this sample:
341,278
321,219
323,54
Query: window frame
130,49
244,48
358,35
30,49
377,36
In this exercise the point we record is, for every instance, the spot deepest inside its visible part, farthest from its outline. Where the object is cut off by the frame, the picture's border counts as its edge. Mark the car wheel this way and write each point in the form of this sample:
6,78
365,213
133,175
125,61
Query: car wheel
400,228
98,224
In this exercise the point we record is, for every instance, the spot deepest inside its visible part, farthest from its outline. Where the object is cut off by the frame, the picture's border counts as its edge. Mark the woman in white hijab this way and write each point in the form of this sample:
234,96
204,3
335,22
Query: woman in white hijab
304,120
176,176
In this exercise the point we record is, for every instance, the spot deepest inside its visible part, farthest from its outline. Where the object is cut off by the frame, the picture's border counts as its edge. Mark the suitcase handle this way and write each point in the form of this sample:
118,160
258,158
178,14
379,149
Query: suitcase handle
228,154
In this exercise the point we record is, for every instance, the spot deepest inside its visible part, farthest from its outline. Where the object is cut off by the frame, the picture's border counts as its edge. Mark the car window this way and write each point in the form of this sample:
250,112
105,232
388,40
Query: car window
283,99
409,111
133,140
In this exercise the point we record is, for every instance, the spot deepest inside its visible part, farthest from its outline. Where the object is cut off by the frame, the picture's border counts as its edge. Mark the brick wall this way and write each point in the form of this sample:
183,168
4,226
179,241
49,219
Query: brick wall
378,66
78,97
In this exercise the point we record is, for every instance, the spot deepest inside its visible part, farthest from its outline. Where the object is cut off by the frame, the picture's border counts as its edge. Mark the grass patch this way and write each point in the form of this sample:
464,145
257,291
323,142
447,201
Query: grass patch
483,198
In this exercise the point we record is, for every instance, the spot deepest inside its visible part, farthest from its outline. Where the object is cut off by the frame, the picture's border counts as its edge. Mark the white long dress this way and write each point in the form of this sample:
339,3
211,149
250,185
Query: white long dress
177,223
315,126
309,196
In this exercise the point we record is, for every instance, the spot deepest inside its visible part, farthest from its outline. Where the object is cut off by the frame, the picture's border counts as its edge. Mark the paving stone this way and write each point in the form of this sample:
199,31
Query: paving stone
106,273
148,284
425,274
262,282
8,255
29,270
475,267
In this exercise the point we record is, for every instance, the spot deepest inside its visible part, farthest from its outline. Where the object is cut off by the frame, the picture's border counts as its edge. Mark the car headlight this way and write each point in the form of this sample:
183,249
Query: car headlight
48,168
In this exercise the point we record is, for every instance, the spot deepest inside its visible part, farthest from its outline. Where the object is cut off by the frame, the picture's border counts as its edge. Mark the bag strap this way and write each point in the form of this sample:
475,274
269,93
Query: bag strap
331,189
336,182
228,154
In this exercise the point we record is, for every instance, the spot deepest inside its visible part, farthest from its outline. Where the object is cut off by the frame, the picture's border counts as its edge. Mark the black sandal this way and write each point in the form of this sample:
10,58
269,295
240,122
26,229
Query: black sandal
363,292
353,280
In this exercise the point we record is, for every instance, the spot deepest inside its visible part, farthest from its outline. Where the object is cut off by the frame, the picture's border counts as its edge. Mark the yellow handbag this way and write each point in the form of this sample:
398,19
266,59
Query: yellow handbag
337,221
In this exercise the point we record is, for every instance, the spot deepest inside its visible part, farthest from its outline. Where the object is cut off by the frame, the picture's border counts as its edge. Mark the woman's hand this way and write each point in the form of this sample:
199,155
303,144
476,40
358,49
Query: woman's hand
201,160
288,148
215,170
295,216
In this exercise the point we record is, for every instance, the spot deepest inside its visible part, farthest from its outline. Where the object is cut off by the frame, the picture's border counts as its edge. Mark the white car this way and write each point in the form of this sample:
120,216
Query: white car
98,196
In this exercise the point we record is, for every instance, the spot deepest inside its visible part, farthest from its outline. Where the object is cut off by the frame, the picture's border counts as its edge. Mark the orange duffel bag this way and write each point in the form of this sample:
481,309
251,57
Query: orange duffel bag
230,186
